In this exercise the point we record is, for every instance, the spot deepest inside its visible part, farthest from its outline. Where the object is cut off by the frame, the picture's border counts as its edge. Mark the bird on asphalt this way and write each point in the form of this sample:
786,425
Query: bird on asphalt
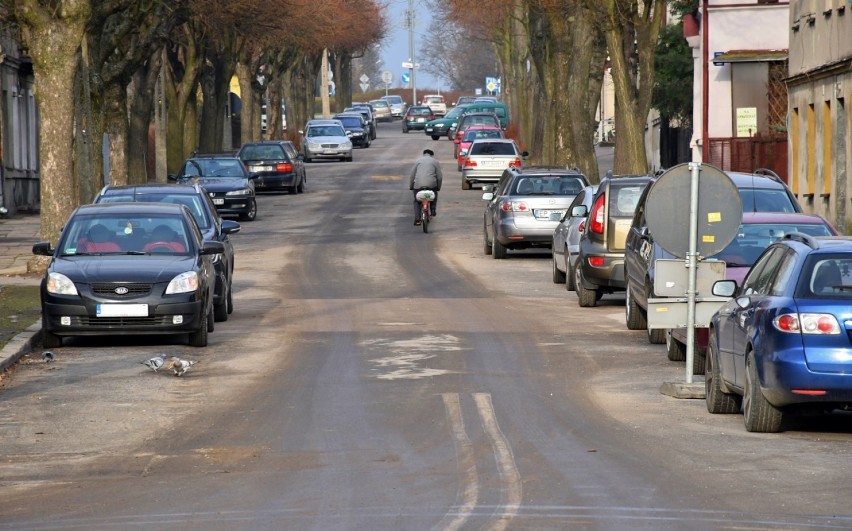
180,367
154,363
47,356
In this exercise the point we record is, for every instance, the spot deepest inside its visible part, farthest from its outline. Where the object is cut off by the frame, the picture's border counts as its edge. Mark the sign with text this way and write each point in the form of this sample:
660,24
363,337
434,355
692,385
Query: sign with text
746,121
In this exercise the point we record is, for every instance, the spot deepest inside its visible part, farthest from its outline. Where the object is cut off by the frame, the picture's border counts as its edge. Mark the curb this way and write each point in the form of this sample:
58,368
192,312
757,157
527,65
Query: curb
20,345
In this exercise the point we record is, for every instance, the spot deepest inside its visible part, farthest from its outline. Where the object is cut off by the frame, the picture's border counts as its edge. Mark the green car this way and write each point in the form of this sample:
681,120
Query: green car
438,128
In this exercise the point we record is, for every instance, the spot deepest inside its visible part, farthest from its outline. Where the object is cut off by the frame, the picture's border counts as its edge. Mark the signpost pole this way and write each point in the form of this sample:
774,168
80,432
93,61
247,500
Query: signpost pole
692,268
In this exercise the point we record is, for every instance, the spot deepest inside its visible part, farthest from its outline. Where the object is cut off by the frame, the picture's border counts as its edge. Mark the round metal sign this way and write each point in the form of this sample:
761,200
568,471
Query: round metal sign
720,210
387,77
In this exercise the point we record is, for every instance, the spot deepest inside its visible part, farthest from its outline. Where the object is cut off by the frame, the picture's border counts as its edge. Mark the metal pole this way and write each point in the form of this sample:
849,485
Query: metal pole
411,51
692,268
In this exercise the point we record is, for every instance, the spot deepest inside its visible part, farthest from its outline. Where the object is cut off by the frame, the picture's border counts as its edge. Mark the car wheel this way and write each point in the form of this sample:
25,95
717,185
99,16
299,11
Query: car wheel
569,273
718,401
300,189
435,137
699,361
50,340
405,130
656,336
293,189
251,215
758,414
675,350
633,314
558,276
220,311
199,337
498,250
465,184
587,298
230,299
486,245
349,158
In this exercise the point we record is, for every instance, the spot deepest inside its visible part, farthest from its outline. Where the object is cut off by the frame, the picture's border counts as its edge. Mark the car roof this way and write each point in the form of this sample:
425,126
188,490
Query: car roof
782,217
755,180
214,156
323,121
494,140
152,188
561,170
133,208
266,143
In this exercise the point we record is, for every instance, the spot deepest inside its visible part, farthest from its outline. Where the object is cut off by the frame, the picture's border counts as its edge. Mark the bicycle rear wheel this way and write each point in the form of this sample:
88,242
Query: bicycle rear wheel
425,217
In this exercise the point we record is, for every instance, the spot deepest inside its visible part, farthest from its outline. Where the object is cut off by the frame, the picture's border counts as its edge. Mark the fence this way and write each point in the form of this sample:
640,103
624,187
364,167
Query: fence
748,154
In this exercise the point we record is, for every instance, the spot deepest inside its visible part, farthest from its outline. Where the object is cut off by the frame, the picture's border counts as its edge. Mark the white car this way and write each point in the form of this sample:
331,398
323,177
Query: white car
487,158
435,102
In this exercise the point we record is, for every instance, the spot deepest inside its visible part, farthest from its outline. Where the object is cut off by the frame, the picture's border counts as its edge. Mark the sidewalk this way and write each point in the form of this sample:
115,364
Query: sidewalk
17,236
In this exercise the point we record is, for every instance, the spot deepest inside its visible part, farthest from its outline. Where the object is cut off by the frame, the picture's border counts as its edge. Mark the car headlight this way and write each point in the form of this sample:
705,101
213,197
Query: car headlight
243,192
59,284
347,144
183,283
313,145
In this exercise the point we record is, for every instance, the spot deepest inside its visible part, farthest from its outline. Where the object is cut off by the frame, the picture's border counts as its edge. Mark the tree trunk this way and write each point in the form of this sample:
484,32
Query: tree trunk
141,98
248,110
181,82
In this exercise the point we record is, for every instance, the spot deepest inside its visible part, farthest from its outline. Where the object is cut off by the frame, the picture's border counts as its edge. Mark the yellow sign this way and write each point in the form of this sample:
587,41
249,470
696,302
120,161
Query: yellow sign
708,238
746,121
714,217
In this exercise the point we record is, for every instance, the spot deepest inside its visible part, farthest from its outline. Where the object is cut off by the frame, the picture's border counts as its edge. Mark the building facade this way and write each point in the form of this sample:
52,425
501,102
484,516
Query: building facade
820,107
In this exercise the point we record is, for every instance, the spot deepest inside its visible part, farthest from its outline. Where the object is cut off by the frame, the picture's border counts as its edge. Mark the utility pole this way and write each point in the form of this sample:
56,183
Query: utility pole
326,107
410,16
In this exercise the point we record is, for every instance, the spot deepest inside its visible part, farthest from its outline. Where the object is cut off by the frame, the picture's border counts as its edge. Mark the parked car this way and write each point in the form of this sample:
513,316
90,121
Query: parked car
464,99
525,207
326,142
355,127
367,111
440,126
476,132
485,99
212,227
382,110
277,164
436,102
781,345
499,108
416,117
397,105
128,268
470,119
230,185
599,268
762,191
487,158
566,237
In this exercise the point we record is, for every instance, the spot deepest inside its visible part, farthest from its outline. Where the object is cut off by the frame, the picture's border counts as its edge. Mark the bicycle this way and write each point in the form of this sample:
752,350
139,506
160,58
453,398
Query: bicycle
425,196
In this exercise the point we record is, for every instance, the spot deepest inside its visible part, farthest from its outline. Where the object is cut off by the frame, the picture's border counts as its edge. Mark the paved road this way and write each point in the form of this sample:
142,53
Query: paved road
375,377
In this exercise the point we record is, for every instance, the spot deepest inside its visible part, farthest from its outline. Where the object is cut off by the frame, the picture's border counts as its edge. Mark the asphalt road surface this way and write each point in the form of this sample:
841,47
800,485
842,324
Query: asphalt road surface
373,377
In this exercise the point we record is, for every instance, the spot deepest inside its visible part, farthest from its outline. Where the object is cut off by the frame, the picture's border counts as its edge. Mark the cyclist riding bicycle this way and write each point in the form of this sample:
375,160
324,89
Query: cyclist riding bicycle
425,175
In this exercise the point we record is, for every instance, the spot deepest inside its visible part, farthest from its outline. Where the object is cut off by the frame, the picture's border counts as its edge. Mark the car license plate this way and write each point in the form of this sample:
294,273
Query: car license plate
122,310
421,119
261,168
218,201
549,214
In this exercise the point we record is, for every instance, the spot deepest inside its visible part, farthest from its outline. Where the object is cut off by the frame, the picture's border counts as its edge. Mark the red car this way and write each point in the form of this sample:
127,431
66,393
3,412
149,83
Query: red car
472,133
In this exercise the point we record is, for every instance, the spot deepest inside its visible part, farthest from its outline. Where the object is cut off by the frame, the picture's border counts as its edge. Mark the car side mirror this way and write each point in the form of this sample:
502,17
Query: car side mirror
300,156
579,211
230,226
463,153
488,196
172,177
525,154
211,247
42,249
724,288
301,132
253,176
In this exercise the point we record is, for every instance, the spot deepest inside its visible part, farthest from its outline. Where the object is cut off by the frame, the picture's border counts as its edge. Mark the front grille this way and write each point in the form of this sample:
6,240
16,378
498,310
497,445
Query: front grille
329,145
133,290
118,322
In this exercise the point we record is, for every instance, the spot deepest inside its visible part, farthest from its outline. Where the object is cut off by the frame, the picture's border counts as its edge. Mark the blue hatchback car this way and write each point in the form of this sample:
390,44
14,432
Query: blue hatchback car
783,344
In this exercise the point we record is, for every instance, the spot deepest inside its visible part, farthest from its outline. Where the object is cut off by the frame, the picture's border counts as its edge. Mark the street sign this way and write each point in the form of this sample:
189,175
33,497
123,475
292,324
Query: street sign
387,77
364,87
405,78
364,79
409,64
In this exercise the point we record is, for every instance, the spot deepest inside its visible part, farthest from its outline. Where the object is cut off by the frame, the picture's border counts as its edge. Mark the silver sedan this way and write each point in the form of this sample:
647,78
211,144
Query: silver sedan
326,141
566,237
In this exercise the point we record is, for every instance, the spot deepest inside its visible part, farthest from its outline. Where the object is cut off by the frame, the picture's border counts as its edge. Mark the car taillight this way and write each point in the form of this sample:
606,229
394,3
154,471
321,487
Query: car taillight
807,323
515,163
596,261
469,163
283,166
597,217
514,206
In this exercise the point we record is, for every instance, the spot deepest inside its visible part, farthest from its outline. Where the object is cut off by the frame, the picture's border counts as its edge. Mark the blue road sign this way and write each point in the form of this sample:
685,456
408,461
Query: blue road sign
405,78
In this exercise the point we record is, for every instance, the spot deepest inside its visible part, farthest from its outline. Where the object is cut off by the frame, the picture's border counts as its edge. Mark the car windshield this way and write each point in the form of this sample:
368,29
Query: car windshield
192,201
108,233
753,238
394,99
350,121
455,112
326,130
826,277
470,136
766,200
548,185
213,168
379,103
492,148
433,99
263,152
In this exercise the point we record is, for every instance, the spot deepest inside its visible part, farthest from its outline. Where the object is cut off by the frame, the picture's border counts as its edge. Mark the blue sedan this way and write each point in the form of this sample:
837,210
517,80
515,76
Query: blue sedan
782,344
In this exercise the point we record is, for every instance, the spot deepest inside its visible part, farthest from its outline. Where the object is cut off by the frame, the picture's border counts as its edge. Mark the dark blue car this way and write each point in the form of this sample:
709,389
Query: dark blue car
783,344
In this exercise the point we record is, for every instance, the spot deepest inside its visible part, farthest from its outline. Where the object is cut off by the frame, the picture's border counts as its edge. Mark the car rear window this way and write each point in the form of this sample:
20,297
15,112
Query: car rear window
753,238
267,152
623,200
420,112
766,200
492,148
548,185
470,136
481,120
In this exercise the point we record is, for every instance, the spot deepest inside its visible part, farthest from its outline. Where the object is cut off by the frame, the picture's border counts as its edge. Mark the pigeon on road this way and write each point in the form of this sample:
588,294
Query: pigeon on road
180,367
154,363
47,356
